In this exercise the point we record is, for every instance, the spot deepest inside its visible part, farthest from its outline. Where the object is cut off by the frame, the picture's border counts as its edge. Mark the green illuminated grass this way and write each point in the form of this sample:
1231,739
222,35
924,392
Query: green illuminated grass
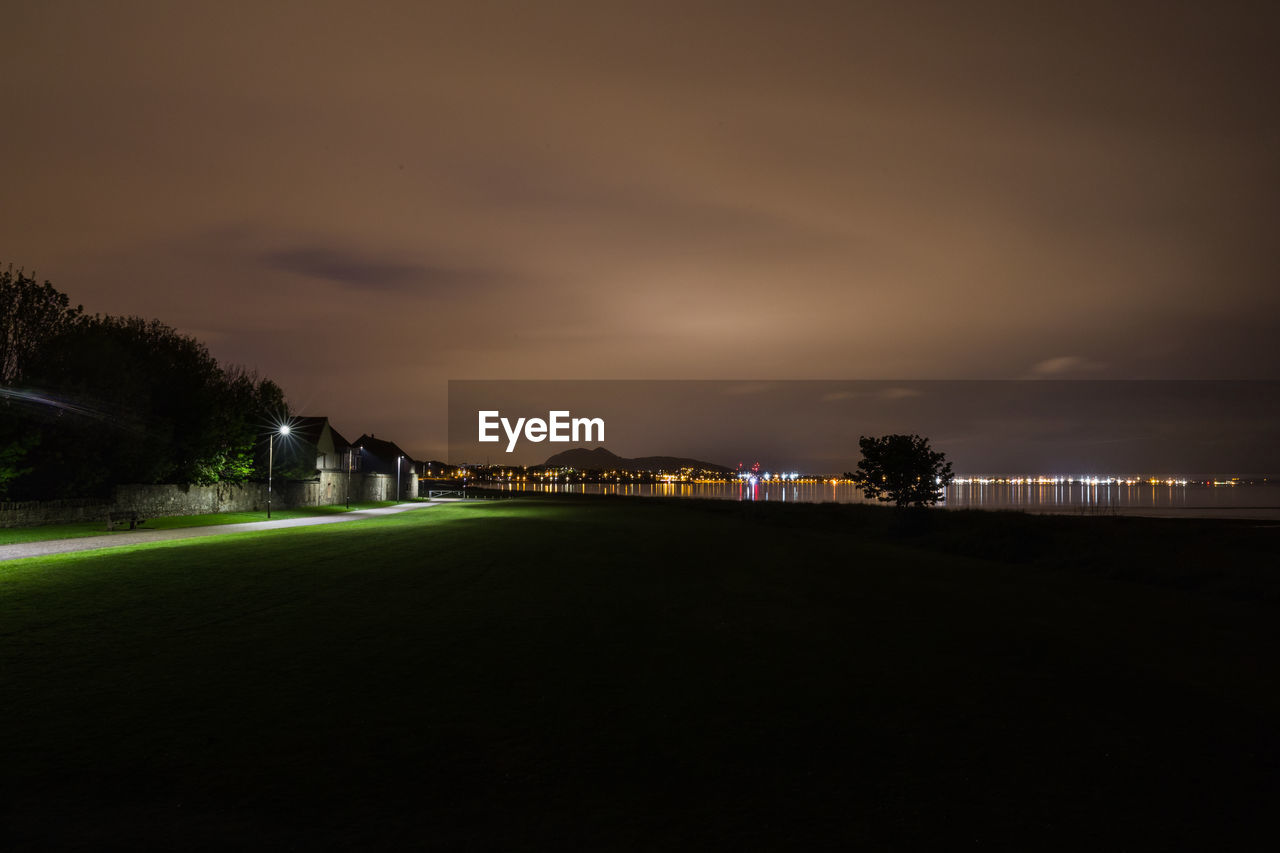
626,674
47,532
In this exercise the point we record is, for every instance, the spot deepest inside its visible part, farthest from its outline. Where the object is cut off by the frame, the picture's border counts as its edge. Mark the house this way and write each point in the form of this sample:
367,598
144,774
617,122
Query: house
320,457
331,448
376,456
323,468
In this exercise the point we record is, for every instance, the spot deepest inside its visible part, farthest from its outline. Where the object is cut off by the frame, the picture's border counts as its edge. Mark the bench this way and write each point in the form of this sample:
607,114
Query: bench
119,517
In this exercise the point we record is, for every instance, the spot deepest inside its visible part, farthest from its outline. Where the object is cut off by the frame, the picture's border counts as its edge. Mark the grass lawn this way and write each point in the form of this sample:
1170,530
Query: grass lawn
47,532
629,674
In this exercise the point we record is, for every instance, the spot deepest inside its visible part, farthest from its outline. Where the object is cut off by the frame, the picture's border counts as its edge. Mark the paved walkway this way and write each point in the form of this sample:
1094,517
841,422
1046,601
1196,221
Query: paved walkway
139,537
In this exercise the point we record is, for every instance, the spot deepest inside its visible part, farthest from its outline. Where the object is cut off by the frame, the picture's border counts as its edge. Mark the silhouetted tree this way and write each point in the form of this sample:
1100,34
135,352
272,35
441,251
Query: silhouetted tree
128,400
30,314
110,400
902,469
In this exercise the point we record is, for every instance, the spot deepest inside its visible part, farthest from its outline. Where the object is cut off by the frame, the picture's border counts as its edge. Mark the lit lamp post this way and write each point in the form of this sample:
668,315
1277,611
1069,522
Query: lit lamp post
398,458
349,455
271,442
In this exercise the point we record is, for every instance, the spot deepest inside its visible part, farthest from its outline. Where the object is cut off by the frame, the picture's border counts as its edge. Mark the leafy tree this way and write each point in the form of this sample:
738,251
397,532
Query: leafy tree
902,469
134,401
109,400
248,407
12,454
30,314
295,457
145,397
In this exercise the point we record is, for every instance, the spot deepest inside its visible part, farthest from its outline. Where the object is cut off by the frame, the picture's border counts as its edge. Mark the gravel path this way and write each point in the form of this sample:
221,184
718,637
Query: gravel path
138,537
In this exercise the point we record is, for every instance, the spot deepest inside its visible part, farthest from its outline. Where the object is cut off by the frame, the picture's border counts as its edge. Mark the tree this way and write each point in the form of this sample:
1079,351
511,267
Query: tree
30,314
129,400
902,469
145,401
12,454
247,407
111,400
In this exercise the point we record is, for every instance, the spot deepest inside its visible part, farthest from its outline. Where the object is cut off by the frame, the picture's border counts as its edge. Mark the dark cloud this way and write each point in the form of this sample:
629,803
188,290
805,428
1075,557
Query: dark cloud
344,267
1065,365
365,271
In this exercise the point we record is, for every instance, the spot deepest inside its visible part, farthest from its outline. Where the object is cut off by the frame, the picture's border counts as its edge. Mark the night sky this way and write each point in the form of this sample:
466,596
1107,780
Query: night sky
1195,428
364,201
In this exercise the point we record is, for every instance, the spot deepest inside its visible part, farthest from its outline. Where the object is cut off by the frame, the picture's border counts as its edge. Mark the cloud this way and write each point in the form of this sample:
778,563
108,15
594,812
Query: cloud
743,389
360,270
1065,365
880,394
898,393
836,396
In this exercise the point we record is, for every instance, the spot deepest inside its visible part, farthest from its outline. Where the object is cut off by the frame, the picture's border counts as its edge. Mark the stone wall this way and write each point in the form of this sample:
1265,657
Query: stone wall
32,513
160,500
330,488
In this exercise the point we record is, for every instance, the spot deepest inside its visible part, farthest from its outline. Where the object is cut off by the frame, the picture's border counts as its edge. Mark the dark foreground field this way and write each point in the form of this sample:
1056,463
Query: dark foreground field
619,674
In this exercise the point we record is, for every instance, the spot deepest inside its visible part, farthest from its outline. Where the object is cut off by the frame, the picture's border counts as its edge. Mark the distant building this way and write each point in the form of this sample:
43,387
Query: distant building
374,455
323,468
435,469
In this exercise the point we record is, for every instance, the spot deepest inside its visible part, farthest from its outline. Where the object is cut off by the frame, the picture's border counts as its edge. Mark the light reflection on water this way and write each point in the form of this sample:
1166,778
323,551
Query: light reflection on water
1064,497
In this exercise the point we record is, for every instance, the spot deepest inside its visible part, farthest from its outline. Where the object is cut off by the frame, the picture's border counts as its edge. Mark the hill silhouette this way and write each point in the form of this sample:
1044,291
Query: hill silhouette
604,460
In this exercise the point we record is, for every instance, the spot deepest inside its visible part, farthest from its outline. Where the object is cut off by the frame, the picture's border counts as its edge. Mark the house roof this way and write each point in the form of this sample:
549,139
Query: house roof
384,450
310,429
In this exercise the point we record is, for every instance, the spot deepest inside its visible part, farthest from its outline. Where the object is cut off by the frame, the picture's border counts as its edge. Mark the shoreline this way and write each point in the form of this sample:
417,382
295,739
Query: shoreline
1226,513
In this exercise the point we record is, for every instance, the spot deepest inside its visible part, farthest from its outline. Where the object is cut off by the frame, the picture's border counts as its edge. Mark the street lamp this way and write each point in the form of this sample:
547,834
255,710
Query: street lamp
271,440
398,458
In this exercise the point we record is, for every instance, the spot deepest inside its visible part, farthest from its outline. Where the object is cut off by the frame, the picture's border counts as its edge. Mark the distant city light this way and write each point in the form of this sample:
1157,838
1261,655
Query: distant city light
1075,479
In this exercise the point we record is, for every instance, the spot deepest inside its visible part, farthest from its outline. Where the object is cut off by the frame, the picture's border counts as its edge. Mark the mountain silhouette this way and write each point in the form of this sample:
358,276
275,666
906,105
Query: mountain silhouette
603,460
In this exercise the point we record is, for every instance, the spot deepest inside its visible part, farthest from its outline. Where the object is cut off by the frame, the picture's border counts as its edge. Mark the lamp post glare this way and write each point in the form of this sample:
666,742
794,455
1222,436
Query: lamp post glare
271,439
